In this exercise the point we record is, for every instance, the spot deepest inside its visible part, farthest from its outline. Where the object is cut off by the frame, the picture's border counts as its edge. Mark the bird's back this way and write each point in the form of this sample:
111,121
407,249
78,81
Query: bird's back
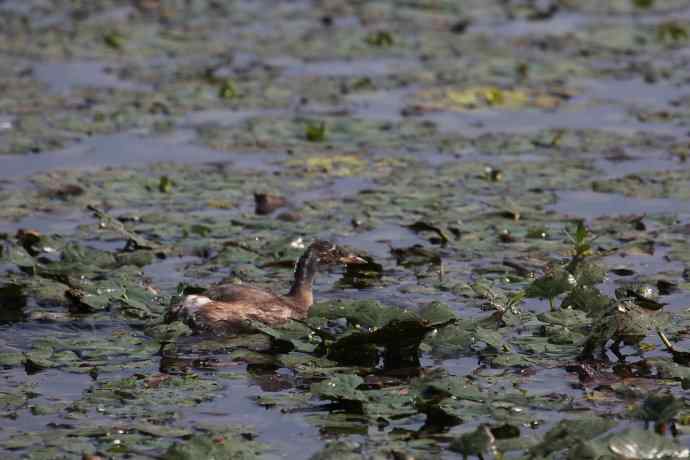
231,308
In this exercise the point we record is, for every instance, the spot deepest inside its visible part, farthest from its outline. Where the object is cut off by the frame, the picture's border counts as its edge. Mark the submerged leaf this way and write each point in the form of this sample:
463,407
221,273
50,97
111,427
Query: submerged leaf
587,273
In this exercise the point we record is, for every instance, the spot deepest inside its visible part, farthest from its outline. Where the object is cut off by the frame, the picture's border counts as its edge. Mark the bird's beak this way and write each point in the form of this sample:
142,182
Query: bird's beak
352,259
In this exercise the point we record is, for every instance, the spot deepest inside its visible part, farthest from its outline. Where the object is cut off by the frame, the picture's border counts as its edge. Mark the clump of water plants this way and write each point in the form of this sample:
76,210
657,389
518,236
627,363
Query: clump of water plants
626,319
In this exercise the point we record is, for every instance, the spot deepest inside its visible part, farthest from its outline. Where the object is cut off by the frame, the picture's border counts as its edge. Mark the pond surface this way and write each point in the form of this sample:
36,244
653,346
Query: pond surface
516,174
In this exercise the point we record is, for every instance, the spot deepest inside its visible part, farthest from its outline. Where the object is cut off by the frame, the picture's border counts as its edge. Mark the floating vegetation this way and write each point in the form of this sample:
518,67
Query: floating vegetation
315,131
514,174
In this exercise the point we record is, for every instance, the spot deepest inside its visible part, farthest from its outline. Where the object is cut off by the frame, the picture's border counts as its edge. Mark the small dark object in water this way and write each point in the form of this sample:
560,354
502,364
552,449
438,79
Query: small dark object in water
290,216
460,26
266,203
679,357
65,191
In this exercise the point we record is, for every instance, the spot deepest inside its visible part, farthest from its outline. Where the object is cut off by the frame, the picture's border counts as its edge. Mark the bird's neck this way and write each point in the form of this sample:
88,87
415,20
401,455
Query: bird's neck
305,272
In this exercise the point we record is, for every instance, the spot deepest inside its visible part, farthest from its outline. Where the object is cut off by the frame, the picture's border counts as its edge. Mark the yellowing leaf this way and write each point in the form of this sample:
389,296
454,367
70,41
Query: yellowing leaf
463,98
477,97
335,165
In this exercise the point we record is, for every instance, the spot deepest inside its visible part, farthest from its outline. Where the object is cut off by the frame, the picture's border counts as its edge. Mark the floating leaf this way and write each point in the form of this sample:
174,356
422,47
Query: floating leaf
569,432
286,338
134,241
478,442
354,349
15,254
486,96
643,4
360,313
588,299
672,32
635,444
362,275
339,450
643,295
421,226
437,312
380,38
335,165
554,283
660,408
115,40
228,445
165,184
227,90
342,387
416,255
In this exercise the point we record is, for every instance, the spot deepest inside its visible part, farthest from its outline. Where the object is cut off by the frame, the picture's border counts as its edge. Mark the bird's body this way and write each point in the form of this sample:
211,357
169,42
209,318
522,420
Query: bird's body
230,308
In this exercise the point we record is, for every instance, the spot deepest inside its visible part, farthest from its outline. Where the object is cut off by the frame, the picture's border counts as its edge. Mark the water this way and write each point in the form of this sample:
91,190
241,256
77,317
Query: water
123,149
593,204
63,77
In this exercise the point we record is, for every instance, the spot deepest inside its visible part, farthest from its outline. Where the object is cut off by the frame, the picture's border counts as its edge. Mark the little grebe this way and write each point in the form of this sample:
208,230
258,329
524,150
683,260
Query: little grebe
228,307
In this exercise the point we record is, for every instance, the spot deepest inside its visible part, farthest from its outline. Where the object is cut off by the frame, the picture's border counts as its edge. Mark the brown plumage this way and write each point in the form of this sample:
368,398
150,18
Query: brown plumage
230,308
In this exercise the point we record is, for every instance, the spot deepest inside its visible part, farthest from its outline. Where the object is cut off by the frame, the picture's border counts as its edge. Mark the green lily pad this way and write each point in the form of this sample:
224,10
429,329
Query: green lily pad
569,432
229,445
342,387
643,445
